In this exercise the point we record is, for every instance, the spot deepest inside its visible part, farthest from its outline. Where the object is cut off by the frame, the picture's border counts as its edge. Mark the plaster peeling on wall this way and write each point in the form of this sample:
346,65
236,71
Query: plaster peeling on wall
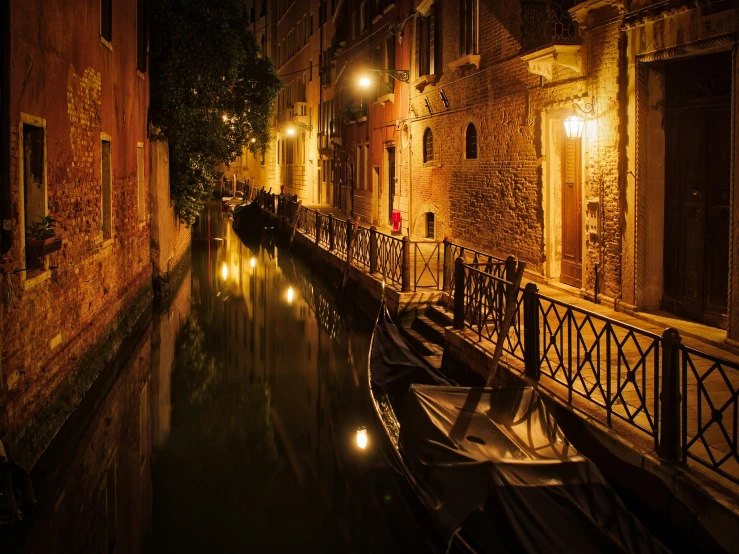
84,107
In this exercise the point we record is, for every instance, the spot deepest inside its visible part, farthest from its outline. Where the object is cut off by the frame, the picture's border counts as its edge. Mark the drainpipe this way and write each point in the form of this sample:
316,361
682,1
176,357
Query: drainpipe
6,236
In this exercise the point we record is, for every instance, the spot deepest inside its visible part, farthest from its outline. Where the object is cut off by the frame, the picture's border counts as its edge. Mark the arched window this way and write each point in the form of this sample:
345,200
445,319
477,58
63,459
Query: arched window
471,142
428,146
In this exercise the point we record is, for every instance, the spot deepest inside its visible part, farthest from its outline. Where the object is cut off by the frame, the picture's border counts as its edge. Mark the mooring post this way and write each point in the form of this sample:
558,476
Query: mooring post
531,331
406,274
447,277
459,293
669,436
331,231
373,250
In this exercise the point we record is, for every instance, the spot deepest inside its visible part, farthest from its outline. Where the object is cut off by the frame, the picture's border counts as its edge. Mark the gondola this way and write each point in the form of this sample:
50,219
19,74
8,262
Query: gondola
490,464
248,219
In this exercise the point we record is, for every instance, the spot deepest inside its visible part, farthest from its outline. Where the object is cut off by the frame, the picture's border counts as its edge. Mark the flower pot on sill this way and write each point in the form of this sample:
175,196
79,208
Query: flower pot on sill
44,246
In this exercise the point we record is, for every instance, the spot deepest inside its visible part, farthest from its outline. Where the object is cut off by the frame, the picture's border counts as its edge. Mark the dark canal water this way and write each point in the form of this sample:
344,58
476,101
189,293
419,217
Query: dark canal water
231,426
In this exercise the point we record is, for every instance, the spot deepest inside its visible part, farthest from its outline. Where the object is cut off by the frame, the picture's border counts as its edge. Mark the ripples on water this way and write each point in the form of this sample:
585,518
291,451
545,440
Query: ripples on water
232,428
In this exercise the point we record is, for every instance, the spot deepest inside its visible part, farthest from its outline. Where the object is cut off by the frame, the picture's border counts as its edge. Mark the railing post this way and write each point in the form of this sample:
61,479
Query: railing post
510,268
447,278
669,434
531,331
459,293
348,234
373,250
406,274
331,231
318,230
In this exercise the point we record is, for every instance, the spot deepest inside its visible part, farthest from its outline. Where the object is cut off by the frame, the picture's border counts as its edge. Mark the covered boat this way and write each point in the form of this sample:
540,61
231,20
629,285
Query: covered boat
248,218
491,465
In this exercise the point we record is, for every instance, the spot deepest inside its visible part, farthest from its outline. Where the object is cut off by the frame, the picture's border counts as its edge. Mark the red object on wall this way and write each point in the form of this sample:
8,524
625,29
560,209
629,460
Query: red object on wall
396,221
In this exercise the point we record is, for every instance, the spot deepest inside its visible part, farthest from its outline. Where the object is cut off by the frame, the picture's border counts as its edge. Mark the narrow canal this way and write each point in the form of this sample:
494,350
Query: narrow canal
231,426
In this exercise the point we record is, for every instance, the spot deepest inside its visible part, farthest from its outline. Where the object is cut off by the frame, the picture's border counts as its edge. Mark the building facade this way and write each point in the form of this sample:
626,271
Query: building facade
634,204
78,153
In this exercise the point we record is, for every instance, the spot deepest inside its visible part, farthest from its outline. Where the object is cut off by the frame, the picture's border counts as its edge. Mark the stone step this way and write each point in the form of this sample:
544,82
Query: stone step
434,361
418,342
430,330
440,315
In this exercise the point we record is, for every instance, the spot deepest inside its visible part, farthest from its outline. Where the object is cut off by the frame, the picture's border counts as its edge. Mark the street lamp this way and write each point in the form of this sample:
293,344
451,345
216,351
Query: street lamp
306,126
575,124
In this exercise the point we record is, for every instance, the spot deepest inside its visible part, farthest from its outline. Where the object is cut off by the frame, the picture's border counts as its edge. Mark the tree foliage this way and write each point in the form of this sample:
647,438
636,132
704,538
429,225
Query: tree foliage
211,92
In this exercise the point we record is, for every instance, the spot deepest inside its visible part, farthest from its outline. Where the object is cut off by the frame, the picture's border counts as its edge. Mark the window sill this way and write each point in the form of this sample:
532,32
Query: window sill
465,62
108,45
361,120
424,80
37,277
140,74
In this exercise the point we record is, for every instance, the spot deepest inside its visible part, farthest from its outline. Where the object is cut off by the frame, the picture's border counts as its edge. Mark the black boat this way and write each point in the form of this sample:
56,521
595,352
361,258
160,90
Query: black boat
248,218
491,465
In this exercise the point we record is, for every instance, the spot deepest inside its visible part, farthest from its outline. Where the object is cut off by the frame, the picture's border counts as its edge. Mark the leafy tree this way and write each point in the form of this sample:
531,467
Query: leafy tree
211,92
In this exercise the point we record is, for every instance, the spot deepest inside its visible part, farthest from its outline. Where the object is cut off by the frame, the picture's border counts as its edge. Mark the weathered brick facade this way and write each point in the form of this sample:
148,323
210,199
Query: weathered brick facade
75,90
590,214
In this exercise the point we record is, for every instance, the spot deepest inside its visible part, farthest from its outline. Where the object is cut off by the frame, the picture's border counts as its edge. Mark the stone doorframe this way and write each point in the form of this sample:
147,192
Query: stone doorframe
552,132
643,233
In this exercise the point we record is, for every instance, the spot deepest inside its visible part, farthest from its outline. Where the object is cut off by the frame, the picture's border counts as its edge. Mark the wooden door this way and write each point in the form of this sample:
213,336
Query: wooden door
390,181
698,156
571,273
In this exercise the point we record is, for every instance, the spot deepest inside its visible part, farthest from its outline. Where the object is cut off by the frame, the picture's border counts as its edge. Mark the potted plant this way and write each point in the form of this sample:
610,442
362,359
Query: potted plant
41,235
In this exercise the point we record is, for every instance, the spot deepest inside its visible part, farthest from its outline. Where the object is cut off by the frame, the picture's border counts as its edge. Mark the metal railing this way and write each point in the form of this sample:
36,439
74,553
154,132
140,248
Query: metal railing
710,404
686,400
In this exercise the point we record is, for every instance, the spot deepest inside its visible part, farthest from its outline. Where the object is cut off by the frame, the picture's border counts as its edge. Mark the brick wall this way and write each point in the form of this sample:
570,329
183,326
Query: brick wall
64,76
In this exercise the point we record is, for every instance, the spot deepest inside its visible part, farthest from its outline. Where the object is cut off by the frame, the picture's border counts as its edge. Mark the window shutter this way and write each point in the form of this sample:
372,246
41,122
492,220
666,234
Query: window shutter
432,31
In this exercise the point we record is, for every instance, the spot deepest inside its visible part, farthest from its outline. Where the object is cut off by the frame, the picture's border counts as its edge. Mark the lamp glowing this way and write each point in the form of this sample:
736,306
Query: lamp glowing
362,438
224,271
253,140
290,295
574,126
253,263
290,131
364,82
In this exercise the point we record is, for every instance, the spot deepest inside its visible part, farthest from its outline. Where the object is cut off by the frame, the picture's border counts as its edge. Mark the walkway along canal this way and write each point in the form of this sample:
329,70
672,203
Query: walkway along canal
665,404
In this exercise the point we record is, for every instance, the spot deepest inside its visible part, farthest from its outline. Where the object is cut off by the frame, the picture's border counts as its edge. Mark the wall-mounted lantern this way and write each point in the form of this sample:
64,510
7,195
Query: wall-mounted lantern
575,124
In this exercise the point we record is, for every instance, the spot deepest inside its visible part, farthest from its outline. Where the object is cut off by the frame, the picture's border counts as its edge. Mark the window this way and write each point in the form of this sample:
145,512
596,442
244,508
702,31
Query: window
34,179
107,190
426,31
469,27
141,35
471,142
363,16
310,71
141,180
106,19
428,146
430,225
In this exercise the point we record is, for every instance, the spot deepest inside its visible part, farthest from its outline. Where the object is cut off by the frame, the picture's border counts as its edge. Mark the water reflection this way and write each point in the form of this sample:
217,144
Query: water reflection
265,397
94,483
240,423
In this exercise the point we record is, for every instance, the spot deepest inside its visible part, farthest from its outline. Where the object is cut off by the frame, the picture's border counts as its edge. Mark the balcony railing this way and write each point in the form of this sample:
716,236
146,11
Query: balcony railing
546,23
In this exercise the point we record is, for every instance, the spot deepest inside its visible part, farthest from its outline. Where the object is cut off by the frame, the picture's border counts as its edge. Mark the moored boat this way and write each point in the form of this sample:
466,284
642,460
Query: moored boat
491,465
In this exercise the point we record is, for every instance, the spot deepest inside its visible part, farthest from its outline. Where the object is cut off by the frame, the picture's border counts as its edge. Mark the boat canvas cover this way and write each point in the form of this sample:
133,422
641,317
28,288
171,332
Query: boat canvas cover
395,367
498,456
